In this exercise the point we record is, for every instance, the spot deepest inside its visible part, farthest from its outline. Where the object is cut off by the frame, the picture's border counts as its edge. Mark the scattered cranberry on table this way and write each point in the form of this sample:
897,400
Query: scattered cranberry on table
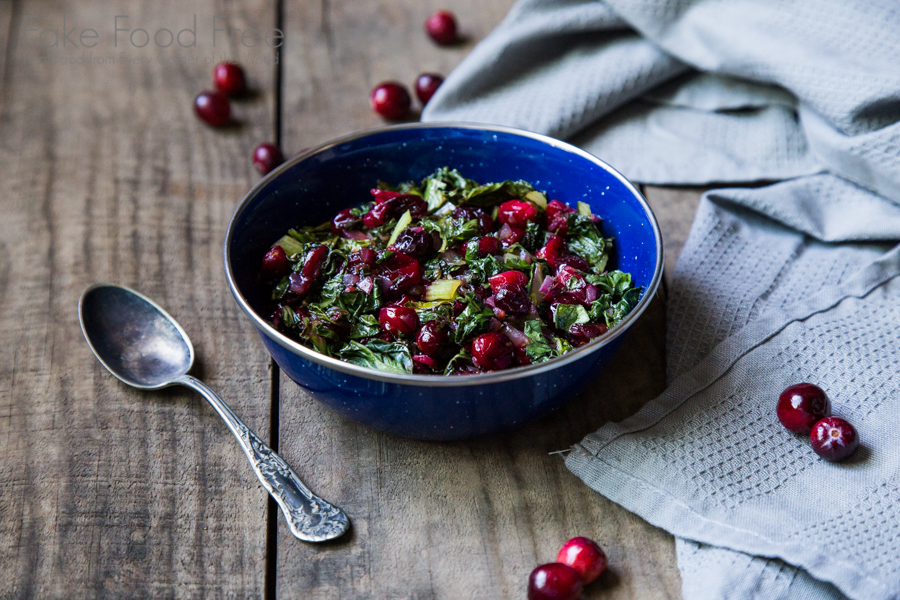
801,405
555,581
266,157
585,556
229,78
833,438
390,100
441,27
213,108
426,85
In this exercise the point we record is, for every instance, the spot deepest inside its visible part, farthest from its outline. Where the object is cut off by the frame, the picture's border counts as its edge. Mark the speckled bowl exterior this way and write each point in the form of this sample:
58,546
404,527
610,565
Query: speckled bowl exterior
313,186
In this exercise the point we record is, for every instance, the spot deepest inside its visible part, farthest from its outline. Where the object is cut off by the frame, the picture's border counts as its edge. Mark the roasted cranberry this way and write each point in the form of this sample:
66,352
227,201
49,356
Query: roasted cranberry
394,207
488,245
576,262
229,78
508,279
362,257
513,300
584,332
346,221
384,195
510,235
266,157
833,438
492,351
522,356
414,241
801,405
312,267
555,581
426,85
470,213
401,301
557,217
275,264
553,249
557,254
213,107
516,213
398,320
399,272
390,100
441,27
585,556
423,365
433,337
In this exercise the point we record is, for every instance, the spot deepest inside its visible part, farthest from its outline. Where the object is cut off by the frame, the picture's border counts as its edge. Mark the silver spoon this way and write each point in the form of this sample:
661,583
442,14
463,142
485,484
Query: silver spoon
142,345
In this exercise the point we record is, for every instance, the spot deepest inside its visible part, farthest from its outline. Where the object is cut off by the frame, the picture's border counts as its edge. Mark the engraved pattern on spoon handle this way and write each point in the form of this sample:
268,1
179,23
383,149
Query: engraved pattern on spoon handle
309,517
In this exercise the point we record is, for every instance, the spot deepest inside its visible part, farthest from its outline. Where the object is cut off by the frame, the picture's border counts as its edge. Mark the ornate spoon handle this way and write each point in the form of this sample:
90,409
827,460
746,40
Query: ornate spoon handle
310,518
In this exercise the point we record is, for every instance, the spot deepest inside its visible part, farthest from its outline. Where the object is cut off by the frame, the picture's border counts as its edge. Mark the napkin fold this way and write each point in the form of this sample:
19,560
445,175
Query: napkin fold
795,281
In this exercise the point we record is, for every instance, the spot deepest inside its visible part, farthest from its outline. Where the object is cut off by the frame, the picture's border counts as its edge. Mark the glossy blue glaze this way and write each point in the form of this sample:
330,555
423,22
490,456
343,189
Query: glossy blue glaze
311,188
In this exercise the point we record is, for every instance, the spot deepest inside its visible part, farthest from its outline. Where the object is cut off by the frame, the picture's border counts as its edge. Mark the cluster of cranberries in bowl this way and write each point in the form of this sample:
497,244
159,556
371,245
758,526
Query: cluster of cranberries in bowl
448,276
804,408
579,562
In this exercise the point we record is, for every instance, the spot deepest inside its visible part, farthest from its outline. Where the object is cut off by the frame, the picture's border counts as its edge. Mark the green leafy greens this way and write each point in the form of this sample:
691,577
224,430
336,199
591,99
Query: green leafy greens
430,258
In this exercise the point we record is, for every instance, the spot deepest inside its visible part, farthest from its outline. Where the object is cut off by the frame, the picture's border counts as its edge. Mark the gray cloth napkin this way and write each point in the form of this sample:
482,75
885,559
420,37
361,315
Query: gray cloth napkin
796,281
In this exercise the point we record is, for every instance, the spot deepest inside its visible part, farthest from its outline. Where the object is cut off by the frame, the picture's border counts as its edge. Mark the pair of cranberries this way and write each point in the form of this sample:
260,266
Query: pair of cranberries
804,408
391,100
213,106
579,562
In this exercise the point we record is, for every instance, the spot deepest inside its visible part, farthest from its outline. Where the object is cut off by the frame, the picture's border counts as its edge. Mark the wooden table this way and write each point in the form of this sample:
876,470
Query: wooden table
106,175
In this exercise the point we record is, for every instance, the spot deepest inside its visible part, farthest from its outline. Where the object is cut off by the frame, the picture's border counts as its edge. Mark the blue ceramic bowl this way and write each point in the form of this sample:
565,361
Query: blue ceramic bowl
312,187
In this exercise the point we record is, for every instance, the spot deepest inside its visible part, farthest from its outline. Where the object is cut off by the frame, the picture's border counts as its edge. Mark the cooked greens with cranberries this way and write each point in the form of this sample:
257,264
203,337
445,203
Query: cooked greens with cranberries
448,276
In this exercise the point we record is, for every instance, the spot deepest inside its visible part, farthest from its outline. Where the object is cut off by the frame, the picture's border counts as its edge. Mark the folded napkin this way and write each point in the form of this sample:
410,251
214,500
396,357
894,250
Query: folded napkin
796,281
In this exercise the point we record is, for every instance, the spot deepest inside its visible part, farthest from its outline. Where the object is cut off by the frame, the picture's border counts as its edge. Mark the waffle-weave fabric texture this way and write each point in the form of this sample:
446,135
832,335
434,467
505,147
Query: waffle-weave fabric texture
793,281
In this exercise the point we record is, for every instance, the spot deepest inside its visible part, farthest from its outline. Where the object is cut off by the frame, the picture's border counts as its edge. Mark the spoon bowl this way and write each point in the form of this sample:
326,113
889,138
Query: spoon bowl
142,345
135,339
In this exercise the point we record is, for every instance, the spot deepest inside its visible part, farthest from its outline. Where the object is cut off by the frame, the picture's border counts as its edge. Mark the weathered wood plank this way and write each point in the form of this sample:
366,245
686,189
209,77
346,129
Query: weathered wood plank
471,519
674,209
444,520
6,20
106,175
336,51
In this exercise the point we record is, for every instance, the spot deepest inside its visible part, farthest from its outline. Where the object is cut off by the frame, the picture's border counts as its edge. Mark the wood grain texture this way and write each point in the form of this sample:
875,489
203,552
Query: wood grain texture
444,520
106,175
674,209
336,51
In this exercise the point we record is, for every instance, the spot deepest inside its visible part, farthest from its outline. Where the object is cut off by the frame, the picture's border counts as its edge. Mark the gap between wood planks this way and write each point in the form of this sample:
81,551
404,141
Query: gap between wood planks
270,591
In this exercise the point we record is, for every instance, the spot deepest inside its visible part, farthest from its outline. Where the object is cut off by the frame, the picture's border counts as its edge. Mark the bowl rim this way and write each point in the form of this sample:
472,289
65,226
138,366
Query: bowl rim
441,380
